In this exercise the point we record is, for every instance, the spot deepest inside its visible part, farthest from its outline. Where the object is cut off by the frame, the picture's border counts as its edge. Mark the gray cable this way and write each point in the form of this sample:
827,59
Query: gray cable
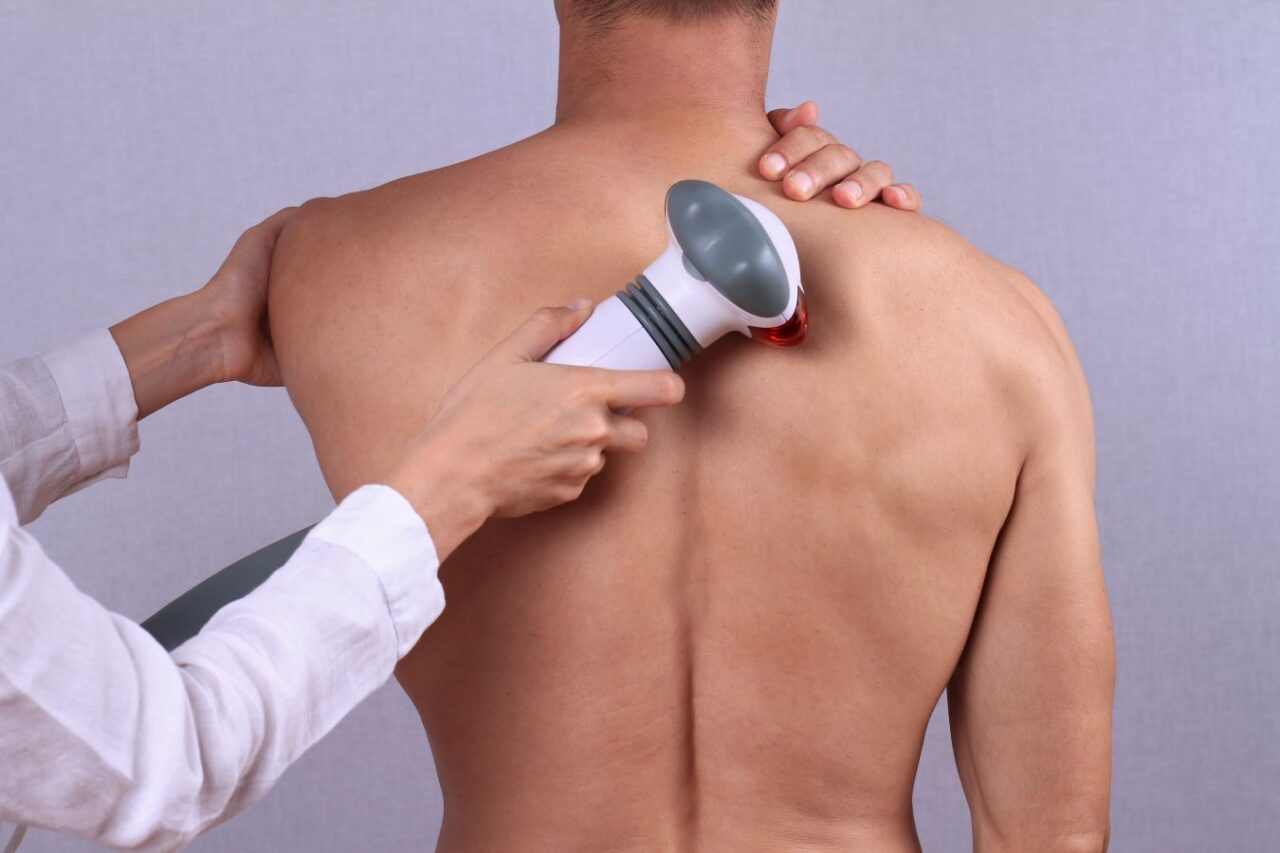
182,619
16,839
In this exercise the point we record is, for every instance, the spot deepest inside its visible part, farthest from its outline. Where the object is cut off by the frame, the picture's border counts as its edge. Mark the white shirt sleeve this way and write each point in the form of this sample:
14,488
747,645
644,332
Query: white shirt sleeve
106,736
66,420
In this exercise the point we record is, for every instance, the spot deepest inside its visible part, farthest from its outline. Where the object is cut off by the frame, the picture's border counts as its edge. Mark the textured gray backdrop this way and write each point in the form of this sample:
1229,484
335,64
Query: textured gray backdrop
1126,155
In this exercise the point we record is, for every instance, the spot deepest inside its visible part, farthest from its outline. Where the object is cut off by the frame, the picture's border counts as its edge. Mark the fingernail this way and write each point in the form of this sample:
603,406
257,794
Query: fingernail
801,181
774,165
791,113
853,188
578,304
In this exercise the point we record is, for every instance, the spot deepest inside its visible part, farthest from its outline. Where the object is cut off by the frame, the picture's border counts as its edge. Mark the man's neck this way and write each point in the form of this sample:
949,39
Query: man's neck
651,71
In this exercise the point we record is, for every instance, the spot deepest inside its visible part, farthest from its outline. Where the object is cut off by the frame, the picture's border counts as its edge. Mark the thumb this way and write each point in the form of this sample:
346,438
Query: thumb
274,223
535,337
268,230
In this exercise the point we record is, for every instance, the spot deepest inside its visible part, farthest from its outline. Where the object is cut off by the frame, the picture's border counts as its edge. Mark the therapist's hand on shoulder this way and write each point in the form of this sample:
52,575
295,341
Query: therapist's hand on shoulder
807,159
515,436
236,300
215,334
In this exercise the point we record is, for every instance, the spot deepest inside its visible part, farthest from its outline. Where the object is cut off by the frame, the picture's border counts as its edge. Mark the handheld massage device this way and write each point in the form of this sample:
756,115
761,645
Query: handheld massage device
730,266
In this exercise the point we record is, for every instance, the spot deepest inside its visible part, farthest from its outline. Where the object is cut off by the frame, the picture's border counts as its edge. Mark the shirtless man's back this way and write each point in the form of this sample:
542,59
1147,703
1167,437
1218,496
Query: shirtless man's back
733,641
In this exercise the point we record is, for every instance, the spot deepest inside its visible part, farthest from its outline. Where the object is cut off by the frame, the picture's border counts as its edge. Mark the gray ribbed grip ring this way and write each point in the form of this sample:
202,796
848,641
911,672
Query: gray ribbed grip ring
666,328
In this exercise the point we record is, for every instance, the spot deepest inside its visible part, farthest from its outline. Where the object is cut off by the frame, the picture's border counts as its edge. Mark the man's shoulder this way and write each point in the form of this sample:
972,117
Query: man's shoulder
374,235
1031,355
916,263
433,200
342,223
935,290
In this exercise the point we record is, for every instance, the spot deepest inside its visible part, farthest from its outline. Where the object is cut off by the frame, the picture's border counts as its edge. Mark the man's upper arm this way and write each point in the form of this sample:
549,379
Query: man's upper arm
1031,698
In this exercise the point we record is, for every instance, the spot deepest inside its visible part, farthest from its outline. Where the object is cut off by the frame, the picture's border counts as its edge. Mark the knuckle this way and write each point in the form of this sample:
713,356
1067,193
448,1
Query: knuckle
581,465
568,421
846,158
586,400
313,207
807,137
812,136
596,429
581,379
582,387
544,315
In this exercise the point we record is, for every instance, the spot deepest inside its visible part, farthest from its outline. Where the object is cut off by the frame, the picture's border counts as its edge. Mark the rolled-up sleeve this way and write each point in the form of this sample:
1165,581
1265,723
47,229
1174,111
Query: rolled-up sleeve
67,419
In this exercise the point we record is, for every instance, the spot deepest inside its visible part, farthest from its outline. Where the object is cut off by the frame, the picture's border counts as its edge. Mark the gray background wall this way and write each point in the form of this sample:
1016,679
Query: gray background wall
1126,155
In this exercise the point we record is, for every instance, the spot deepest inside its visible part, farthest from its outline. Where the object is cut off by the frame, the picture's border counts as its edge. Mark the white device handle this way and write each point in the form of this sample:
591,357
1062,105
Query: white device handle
611,337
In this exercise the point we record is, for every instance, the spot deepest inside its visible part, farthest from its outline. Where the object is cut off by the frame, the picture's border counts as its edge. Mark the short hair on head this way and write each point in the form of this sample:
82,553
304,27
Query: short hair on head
608,12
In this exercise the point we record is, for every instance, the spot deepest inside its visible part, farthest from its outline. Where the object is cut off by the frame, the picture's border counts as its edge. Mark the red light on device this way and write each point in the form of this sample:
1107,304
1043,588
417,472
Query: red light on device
790,333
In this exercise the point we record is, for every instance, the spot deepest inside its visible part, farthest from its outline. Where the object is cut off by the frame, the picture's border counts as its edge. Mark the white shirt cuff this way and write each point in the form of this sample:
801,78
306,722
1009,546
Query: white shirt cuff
97,397
381,528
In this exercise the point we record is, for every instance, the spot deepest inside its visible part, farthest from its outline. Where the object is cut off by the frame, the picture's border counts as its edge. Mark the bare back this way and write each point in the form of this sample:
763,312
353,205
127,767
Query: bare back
735,640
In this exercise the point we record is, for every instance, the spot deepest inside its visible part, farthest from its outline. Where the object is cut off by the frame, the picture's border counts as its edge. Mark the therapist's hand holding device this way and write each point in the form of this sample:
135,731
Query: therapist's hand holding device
470,464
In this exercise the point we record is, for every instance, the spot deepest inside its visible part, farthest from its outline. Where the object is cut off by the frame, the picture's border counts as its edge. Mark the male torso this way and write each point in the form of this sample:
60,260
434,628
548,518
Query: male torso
734,641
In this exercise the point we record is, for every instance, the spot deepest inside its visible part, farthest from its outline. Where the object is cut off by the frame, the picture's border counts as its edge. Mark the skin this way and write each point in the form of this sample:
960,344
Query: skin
733,642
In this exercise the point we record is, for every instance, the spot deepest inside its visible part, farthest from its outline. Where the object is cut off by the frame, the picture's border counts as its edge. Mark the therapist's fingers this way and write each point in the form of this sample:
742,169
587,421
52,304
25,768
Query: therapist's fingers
795,146
785,120
250,257
865,185
627,434
547,327
636,389
809,159
270,228
902,196
820,170
275,222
